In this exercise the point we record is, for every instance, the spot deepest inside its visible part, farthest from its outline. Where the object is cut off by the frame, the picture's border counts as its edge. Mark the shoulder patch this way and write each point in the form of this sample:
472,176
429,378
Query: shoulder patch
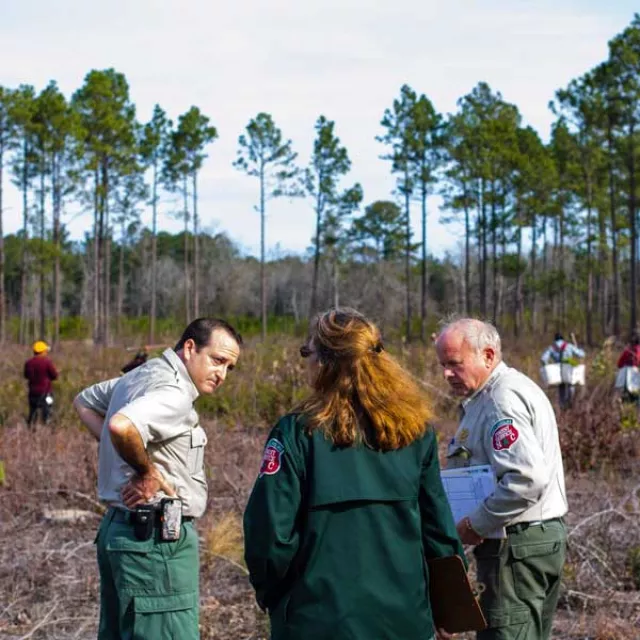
272,458
503,434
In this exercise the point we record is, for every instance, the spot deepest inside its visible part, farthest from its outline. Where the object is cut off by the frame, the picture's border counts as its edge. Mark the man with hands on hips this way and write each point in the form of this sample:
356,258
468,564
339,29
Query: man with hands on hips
151,476
508,422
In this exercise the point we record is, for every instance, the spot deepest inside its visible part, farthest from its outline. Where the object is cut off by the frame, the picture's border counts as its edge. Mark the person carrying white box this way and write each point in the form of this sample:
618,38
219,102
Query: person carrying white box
565,353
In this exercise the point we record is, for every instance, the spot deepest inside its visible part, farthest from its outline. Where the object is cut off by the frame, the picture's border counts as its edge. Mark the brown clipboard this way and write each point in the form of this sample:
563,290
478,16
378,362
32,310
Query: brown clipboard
454,605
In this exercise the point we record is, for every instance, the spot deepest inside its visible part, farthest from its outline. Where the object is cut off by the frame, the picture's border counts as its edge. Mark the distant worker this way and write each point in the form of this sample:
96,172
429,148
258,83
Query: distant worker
563,352
630,357
40,372
139,359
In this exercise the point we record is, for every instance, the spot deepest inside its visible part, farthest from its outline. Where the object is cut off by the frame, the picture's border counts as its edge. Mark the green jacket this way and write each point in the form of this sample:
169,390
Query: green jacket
336,538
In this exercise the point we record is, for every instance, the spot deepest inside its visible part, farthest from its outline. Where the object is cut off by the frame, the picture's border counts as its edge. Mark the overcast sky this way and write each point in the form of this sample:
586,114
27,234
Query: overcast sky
346,59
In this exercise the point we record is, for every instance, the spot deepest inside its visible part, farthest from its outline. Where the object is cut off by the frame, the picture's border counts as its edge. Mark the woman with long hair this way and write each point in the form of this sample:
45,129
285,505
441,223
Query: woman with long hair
348,504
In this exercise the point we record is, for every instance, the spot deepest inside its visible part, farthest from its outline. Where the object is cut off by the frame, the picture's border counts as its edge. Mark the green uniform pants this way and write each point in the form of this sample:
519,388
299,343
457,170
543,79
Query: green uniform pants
148,588
521,575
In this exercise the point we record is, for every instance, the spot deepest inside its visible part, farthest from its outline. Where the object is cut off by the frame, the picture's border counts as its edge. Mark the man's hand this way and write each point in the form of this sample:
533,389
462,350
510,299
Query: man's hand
142,488
466,532
441,634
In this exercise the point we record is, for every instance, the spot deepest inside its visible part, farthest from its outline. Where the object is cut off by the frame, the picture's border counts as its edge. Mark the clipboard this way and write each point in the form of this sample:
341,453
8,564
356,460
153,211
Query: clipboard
454,605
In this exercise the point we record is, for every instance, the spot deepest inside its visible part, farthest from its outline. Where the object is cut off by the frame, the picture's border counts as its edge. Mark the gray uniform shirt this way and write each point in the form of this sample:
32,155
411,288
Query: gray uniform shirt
509,423
158,398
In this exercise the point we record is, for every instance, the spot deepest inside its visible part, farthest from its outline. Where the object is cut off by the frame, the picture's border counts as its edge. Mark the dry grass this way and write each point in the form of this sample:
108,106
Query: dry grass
48,574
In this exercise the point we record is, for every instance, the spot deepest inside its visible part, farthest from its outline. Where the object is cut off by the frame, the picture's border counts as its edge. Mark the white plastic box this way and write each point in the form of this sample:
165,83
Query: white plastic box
628,378
573,375
551,374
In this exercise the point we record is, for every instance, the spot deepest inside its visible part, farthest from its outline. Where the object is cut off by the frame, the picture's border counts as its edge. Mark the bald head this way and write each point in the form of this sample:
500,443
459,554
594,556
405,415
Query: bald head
469,350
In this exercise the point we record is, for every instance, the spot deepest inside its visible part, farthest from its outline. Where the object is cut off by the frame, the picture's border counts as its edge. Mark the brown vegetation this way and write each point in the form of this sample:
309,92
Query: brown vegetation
48,574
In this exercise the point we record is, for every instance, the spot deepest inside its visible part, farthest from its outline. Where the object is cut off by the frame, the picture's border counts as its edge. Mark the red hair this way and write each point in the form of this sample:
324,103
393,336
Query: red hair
361,393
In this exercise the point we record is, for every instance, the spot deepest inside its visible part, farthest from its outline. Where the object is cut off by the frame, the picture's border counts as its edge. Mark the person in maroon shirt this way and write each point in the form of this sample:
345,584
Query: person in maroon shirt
630,357
39,372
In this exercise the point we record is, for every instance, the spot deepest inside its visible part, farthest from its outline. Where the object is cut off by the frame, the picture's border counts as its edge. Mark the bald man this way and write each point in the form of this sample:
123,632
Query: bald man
508,422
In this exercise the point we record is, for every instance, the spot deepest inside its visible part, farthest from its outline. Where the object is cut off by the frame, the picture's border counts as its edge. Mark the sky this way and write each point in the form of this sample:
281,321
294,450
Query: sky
345,59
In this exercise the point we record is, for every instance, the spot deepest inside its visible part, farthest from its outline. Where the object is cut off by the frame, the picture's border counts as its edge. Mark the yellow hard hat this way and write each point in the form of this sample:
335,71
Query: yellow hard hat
40,346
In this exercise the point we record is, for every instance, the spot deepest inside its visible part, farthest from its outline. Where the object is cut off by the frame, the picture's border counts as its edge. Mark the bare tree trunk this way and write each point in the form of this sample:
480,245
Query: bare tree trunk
97,242
633,320
3,293
407,258
601,272
263,274
316,252
589,317
423,269
106,331
545,271
25,238
563,290
187,297
467,259
494,254
196,249
501,276
534,301
56,196
154,255
43,313
614,230
483,250
556,262
336,282
120,300
519,302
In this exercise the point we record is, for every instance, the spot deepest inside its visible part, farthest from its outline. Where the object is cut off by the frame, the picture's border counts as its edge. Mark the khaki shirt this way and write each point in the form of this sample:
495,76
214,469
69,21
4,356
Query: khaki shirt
158,398
509,423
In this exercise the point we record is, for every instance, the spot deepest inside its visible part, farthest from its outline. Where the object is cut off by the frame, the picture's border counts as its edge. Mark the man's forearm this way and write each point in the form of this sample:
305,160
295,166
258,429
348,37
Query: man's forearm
129,445
90,418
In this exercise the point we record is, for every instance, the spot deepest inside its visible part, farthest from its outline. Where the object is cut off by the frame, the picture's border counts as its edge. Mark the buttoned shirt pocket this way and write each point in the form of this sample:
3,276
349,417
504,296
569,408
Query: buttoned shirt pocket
195,457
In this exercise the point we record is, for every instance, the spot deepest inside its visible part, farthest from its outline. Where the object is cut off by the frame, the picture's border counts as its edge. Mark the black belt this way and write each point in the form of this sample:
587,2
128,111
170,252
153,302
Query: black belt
129,517
523,526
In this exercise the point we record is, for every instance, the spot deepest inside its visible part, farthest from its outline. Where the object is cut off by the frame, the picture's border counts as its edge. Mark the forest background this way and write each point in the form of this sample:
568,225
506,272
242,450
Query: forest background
549,242
550,229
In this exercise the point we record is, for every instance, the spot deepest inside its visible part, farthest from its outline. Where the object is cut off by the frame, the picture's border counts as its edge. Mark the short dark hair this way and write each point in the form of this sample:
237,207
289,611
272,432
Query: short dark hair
558,336
200,331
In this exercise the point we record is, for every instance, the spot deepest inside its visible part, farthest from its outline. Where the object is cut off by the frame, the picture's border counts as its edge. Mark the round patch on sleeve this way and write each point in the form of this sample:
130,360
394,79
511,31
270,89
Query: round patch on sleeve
272,458
504,434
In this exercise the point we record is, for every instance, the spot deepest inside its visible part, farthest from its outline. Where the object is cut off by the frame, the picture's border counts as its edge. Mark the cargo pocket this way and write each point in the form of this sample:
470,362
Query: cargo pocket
533,565
506,624
133,562
195,458
166,617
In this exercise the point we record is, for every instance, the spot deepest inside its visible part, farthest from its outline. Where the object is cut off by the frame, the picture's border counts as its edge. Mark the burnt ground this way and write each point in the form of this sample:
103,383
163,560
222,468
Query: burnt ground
49,578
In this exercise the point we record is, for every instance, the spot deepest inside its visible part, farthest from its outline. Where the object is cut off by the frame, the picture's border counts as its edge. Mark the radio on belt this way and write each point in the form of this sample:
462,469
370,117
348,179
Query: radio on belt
171,519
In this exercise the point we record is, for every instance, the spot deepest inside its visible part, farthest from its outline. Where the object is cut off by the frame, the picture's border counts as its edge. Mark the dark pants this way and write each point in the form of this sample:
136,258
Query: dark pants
38,403
148,588
521,577
566,393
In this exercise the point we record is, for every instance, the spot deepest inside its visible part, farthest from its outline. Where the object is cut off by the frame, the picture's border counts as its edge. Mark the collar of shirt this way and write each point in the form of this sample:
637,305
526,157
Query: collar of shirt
183,375
487,385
